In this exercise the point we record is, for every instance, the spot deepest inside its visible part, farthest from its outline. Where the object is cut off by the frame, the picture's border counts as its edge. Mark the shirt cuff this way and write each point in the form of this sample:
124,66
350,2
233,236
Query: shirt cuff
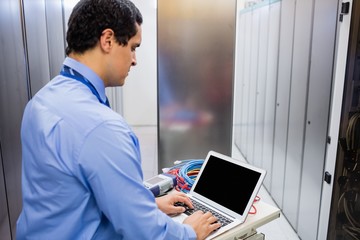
190,230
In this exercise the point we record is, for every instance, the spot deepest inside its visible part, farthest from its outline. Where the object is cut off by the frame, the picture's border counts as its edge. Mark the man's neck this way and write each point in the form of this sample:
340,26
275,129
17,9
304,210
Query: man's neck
92,60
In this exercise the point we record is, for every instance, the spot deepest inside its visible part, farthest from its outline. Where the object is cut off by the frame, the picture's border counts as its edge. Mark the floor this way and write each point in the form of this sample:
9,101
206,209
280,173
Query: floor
278,229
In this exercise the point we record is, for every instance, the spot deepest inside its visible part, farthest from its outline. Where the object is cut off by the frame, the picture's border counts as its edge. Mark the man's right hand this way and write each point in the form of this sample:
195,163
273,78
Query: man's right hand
202,223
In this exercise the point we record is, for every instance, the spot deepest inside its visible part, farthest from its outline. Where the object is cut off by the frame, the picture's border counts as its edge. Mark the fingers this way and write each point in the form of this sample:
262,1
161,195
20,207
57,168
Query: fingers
188,203
214,226
212,221
203,223
178,209
182,197
208,217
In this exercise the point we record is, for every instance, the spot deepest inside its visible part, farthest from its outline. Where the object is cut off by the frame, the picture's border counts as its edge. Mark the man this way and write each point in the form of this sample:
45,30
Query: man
82,176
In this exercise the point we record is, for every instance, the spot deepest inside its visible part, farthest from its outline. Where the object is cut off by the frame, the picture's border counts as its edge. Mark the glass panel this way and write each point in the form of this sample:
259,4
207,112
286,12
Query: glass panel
195,78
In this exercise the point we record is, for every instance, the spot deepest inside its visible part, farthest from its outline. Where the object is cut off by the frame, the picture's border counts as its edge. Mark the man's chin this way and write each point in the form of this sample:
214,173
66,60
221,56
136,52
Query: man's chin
122,82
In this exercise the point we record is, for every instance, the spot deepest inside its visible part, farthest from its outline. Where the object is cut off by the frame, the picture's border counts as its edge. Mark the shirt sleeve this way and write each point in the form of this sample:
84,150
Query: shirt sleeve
111,164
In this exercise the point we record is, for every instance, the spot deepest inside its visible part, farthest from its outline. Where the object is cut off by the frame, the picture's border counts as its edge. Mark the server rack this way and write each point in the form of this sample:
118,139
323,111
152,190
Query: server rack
344,222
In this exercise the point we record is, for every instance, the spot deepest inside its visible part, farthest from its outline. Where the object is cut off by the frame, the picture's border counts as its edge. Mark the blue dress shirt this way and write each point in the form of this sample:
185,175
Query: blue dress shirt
81,172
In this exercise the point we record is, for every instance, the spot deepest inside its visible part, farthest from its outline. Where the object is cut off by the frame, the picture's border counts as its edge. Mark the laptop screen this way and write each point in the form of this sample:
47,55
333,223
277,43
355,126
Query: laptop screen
227,184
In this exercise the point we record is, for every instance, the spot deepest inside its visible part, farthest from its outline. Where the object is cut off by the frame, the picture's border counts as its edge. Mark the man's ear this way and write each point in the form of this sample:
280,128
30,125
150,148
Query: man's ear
107,40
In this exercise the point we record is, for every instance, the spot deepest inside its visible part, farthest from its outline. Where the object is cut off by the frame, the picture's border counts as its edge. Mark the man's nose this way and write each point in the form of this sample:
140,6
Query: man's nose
134,62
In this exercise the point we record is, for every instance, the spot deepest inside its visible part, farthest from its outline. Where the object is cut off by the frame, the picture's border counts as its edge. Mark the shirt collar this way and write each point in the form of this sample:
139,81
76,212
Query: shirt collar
88,74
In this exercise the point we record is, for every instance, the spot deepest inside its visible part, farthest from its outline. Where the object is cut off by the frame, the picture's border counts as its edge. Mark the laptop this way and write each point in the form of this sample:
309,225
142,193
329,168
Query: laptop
227,187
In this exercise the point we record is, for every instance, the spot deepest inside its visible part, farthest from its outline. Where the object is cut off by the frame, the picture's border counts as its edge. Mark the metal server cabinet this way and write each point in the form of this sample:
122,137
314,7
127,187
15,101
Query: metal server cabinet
31,53
344,222
13,97
4,215
196,42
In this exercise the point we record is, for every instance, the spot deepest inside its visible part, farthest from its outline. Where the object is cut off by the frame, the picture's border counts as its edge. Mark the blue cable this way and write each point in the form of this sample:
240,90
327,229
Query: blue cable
188,167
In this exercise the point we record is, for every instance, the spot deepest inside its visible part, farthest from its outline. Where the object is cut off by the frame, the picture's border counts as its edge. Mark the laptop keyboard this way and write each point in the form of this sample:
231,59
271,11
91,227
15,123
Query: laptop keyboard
199,206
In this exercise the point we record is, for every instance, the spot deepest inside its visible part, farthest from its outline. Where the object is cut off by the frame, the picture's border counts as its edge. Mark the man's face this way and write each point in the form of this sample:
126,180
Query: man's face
122,58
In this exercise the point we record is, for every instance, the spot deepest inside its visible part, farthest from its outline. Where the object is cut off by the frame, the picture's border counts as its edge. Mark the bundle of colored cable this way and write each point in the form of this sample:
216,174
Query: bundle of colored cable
186,173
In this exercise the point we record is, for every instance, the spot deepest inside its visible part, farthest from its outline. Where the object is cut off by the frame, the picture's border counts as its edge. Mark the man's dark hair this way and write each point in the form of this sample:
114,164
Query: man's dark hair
90,18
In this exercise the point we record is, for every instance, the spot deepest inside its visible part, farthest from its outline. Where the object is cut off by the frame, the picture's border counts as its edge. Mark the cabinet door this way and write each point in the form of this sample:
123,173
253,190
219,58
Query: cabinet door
4,215
13,97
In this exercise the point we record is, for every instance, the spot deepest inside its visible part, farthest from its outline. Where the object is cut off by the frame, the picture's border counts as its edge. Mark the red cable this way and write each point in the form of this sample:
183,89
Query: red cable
257,198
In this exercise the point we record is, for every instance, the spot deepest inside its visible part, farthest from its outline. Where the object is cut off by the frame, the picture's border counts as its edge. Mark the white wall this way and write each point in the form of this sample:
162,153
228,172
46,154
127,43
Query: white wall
140,89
